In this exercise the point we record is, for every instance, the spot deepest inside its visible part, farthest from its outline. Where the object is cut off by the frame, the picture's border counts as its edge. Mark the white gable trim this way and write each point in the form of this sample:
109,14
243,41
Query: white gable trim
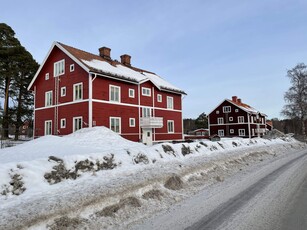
47,56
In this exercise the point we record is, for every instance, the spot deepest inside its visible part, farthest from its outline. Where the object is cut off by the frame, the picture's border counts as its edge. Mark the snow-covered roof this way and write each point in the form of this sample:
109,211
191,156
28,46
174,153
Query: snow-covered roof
99,65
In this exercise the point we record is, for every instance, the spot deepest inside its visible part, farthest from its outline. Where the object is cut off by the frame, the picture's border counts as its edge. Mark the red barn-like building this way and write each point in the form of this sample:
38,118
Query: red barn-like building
233,118
75,89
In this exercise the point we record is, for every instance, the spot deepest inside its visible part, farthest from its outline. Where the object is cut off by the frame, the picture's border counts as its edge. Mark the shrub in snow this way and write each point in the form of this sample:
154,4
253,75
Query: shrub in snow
141,158
168,149
204,144
185,150
59,173
84,166
234,144
174,183
16,186
108,163
197,147
213,148
220,144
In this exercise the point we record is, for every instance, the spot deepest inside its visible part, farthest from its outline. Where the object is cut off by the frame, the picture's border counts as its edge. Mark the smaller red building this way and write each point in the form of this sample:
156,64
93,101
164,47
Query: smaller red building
233,118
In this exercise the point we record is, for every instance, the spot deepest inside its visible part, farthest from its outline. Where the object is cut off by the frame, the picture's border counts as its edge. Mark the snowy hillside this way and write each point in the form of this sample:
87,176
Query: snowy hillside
93,175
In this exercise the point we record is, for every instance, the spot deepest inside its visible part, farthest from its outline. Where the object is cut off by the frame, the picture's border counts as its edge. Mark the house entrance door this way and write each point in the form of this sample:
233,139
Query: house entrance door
147,136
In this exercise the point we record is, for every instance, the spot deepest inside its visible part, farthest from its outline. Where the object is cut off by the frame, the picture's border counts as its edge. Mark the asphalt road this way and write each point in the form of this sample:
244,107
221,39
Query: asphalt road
271,197
296,215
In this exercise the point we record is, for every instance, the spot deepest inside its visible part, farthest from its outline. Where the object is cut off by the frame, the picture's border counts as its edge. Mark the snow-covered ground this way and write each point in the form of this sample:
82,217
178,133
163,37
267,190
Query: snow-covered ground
95,179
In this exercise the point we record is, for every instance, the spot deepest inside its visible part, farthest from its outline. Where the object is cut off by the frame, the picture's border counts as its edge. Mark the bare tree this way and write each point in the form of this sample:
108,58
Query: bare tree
296,96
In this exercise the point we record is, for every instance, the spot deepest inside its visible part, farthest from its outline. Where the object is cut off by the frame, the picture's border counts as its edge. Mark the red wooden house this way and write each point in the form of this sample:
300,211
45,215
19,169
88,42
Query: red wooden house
75,89
233,118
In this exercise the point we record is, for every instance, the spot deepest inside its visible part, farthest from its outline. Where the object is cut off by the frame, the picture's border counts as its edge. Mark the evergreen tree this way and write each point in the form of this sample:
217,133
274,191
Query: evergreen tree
17,67
201,121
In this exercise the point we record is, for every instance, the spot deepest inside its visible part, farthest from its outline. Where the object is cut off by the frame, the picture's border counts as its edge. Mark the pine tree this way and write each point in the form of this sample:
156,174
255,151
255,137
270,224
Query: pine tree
17,67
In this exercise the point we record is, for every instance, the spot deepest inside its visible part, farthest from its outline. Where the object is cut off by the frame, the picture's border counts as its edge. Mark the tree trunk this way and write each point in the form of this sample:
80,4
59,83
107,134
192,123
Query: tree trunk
303,126
18,114
5,124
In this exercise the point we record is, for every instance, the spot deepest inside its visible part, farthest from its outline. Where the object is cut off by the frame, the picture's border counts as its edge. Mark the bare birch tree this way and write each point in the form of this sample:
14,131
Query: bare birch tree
296,96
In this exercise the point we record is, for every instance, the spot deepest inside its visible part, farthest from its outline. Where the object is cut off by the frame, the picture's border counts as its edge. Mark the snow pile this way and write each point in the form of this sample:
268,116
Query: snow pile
52,175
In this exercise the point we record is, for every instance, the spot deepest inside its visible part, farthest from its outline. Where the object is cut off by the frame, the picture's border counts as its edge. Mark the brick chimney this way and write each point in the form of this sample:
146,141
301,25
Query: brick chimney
239,101
234,98
105,52
125,59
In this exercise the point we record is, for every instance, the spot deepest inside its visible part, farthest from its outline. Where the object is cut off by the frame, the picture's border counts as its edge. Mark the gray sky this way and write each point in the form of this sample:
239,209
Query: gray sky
211,49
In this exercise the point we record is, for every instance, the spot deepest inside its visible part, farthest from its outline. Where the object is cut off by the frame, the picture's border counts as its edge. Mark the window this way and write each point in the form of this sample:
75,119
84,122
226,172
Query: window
226,109
230,118
146,112
63,91
48,127
159,98
115,124
170,126
72,67
232,131
131,93
217,112
77,123
146,91
114,93
170,102
220,132
132,122
240,119
236,110
47,76
78,92
48,98
241,132
63,123
220,120
59,68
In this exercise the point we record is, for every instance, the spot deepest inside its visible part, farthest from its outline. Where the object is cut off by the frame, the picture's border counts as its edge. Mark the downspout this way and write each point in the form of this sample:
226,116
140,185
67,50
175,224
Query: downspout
139,105
90,100
249,126
182,127
153,112
209,124
34,94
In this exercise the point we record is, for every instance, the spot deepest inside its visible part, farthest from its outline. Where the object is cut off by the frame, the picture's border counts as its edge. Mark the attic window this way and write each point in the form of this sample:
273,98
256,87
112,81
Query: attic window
47,76
72,68
236,110
159,97
59,68
226,109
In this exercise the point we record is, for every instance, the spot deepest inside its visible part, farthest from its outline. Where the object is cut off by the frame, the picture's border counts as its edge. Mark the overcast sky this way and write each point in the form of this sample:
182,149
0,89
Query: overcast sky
211,49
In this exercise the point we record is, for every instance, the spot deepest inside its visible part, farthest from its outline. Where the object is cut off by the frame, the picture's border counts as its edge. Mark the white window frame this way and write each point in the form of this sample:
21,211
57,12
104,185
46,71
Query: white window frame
59,68
241,132
48,98
48,130
220,120
217,112
47,76
169,102
170,126
232,131
146,112
113,91
221,132
131,122
159,98
131,93
236,110
240,119
226,109
63,91
146,91
119,124
76,95
253,132
63,123
72,68
74,124
230,118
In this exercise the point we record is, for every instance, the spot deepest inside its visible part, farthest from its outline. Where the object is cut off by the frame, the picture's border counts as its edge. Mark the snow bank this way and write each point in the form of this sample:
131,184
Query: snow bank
96,158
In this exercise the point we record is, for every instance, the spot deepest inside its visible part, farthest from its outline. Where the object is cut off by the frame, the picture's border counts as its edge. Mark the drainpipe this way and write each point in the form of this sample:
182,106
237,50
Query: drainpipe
90,100
34,94
182,128
139,105
249,126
